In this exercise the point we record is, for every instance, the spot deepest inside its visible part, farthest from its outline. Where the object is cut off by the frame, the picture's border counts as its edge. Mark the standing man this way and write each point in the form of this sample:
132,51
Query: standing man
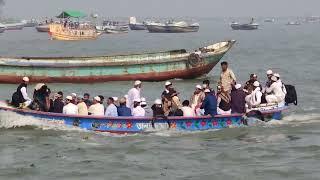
20,98
134,93
227,77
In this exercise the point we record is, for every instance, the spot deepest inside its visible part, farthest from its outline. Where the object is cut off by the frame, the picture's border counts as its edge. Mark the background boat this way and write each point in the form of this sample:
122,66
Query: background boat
293,23
269,20
172,27
2,29
134,25
30,23
147,67
43,28
13,26
114,27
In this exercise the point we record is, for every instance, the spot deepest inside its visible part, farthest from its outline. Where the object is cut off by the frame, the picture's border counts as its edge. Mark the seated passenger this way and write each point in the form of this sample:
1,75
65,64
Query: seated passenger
123,110
238,102
137,110
268,82
157,109
275,93
82,107
20,97
209,103
74,98
70,108
86,99
187,110
280,83
111,110
197,98
223,101
254,99
57,104
143,102
96,109
41,96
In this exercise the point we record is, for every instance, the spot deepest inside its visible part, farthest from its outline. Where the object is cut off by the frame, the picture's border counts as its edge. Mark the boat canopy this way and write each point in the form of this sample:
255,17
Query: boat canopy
74,14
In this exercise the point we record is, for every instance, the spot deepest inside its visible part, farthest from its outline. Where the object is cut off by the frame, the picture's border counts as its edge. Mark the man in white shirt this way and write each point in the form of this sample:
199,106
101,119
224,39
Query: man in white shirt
111,110
20,98
137,110
70,108
96,109
254,99
187,110
134,93
275,92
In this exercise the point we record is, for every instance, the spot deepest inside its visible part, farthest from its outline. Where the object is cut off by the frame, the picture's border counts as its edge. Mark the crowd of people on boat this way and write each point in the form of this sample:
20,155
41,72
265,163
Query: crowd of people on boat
229,97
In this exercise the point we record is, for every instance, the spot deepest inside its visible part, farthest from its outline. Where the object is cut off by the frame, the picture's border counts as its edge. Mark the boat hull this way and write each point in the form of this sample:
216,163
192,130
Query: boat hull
59,32
244,26
137,27
172,29
14,27
2,29
147,67
43,28
144,124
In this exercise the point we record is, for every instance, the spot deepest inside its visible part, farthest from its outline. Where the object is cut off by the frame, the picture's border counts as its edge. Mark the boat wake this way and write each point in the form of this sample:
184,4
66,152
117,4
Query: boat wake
9,120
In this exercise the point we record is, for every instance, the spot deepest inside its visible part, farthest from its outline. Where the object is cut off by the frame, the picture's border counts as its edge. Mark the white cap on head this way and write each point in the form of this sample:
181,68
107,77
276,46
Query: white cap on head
207,90
237,86
126,96
273,78
254,75
74,94
115,98
25,79
137,100
97,98
198,86
69,98
143,99
256,84
137,82
277,75
143,103
168,83
269,72
158,102
39,86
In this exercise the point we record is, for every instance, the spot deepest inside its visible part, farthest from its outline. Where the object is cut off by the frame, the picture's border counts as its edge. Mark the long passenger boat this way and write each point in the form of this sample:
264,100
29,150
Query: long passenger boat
144,124
147,67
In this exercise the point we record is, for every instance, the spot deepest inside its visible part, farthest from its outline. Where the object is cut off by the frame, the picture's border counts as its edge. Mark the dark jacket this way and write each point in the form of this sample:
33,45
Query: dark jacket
210,105
57,106
238,102
123,110
17,97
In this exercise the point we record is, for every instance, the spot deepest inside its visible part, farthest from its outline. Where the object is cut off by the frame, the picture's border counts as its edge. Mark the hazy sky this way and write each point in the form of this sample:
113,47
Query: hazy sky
164,8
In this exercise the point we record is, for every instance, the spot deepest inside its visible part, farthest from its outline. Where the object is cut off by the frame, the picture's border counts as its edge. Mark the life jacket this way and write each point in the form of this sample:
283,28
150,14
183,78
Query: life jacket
17,96
291,96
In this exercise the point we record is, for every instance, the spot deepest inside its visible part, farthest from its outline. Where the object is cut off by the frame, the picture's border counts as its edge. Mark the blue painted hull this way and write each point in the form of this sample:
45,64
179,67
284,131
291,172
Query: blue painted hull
140,125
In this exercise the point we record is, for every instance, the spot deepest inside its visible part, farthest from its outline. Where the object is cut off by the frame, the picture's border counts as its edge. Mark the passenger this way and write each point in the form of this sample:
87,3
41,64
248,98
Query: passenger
238,102
123,110
227,77
20,98
137,110
41,97
134,93
175,104
166,98
254,99
96,109
223,101
70,108
82,107
143,102
101,99
275,93
111,110
167,89
209,103
197,98
116,101
58,103
186,109
280,83
206,85
86,98
248,87
74,98
157,109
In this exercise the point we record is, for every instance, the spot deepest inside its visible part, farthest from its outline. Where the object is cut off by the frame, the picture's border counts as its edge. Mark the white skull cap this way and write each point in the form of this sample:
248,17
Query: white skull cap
25,79
269,72
256,84
137,82
168,83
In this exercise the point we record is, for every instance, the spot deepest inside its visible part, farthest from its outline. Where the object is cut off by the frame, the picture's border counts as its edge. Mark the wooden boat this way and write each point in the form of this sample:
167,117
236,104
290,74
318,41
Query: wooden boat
147,67
144,124
134,25
72,31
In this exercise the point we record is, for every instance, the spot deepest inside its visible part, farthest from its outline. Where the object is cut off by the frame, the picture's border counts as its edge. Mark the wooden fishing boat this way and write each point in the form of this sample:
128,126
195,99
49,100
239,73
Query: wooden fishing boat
146,67
72,31
144,124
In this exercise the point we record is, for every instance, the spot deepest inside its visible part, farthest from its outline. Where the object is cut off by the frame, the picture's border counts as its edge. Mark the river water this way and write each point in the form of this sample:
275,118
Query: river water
287,149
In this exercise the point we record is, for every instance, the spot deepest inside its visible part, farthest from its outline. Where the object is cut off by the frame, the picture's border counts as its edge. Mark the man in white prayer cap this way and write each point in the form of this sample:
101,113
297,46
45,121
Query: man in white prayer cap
20,98
96,109
254,99
275,93
197,98
134,93
70,108
137,110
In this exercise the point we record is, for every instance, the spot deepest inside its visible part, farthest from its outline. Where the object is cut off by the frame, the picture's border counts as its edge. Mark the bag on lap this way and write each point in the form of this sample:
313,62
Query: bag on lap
291,96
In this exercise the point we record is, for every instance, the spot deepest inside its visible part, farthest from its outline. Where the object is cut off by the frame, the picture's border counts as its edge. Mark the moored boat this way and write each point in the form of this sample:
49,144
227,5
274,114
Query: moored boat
148,67
293,23
248,26
2,29
43,28
13,26
113,27
72,31
172,27
134,25
143,124
30,23
269,20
